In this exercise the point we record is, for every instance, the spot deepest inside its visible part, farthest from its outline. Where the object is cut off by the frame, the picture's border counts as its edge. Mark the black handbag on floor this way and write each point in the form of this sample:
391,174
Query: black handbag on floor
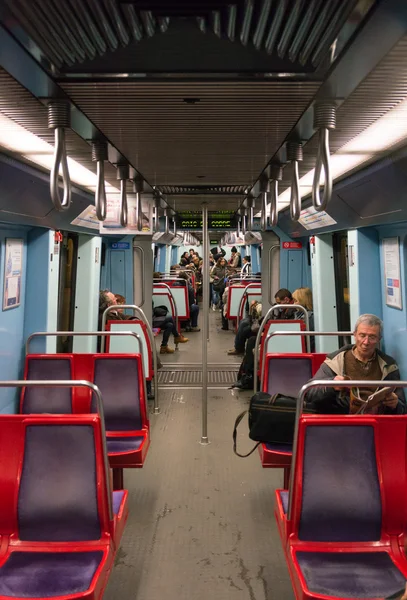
271,420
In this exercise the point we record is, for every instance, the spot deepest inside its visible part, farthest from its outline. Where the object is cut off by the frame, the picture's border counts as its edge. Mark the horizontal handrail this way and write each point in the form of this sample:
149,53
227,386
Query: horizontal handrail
306,333
262,326
328,383
81,333
167,287
99,403
103,334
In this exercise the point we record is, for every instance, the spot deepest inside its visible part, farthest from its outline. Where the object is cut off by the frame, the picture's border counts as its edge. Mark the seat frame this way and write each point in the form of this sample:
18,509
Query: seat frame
389,431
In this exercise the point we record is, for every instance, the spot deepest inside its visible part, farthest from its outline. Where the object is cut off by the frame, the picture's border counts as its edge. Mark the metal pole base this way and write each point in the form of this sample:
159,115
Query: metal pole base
157,410
204,441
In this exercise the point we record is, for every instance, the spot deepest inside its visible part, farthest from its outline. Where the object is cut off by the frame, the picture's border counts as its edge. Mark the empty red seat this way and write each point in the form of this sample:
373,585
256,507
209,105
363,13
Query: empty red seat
345,535
121,381
57,526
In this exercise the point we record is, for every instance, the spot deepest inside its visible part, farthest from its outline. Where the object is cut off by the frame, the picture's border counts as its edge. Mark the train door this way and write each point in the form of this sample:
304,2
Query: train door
68,256
341,269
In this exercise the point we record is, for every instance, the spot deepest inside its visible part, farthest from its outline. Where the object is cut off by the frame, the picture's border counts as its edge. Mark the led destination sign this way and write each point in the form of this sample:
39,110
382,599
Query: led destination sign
216,220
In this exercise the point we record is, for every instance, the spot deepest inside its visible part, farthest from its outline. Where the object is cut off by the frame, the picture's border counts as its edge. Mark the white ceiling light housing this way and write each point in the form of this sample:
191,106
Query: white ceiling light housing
388,131
19,140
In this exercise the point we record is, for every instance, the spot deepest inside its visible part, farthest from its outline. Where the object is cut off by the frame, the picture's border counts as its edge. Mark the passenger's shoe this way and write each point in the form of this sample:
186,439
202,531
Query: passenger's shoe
181,339
235,352
166,350
213,307
195,329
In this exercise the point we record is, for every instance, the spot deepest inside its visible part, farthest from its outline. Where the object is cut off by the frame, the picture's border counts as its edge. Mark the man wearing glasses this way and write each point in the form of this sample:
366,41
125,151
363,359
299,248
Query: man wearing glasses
363,361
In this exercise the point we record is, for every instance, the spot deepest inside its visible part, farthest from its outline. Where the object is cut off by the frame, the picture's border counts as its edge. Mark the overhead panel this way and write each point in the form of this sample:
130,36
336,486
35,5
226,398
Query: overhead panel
182,133
78,32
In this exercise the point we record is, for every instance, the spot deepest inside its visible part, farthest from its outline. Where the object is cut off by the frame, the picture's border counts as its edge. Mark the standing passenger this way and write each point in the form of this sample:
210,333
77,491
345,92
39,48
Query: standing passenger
247,268
218,274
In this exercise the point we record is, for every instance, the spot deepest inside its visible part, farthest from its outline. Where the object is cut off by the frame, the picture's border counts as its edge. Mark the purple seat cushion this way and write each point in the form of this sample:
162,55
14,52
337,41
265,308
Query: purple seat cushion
288,448
55,400
45,575
58,492
284,500
117,500
117,379
359,575
340,494
124,444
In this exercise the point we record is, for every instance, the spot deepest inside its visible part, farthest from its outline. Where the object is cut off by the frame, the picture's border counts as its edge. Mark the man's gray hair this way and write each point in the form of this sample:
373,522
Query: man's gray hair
370,320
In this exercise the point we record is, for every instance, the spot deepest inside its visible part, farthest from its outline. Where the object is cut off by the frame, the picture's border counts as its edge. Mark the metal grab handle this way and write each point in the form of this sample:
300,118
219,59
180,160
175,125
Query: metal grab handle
175,313
327,383
324,119
59,117
142,274
308,334
273,247
99,403
60,160
144,319
99,155
323,162
264,198
92,333
79,333
295,154
295,199
123,203
262,326
273,203
244,295
100,194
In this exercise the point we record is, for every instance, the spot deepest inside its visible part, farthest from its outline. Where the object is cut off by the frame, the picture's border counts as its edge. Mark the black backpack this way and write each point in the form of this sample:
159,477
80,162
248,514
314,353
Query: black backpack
271,420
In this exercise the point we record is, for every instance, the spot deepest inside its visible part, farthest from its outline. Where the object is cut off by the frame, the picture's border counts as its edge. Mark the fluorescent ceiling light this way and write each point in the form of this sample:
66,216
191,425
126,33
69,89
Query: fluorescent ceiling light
388,131
16,138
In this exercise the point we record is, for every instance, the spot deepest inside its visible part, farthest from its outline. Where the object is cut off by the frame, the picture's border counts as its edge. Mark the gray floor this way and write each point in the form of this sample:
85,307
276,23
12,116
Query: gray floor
201,520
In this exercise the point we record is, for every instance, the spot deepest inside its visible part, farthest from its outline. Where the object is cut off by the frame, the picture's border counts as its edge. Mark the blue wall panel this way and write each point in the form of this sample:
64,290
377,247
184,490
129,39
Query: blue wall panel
12,328
299,275
117,272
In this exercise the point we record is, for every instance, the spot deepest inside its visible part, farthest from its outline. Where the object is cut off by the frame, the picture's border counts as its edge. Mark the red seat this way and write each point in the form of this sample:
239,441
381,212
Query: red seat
345,535
286,374
120,380
57,529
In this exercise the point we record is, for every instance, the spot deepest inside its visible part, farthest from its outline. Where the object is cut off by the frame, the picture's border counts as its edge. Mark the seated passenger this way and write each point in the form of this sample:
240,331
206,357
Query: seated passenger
193,307
303,297
166,324
361,361
247,328
283,296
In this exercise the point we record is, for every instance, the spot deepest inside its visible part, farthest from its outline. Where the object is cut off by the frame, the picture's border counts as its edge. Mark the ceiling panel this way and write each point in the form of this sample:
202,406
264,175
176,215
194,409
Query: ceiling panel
184,133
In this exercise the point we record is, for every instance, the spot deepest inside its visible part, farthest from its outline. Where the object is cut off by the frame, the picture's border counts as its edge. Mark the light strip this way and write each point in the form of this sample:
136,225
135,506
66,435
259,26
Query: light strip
388,131
16,138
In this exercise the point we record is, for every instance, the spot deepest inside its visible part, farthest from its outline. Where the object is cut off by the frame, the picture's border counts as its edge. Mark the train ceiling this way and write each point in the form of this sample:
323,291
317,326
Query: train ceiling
200,96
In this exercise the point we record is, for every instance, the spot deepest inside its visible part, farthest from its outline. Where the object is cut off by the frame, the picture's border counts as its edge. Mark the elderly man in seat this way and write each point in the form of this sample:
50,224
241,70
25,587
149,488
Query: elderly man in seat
363,361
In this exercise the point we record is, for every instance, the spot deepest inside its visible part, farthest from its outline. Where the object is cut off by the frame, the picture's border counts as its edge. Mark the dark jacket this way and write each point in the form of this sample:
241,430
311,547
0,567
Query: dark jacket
330,401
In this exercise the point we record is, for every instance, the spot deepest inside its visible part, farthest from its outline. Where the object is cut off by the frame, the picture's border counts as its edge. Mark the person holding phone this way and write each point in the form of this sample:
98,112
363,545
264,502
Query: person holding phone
362,361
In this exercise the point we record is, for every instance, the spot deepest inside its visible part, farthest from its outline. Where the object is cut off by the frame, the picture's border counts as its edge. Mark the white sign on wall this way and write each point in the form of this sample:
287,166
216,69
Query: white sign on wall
392,282
13,267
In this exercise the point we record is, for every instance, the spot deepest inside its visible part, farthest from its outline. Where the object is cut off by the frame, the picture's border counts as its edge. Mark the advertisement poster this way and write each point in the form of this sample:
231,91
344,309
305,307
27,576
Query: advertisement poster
310,218
391,261
13,266
112,222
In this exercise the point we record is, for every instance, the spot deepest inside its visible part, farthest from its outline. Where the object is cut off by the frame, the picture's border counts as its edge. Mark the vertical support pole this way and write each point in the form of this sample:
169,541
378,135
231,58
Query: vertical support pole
205,322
